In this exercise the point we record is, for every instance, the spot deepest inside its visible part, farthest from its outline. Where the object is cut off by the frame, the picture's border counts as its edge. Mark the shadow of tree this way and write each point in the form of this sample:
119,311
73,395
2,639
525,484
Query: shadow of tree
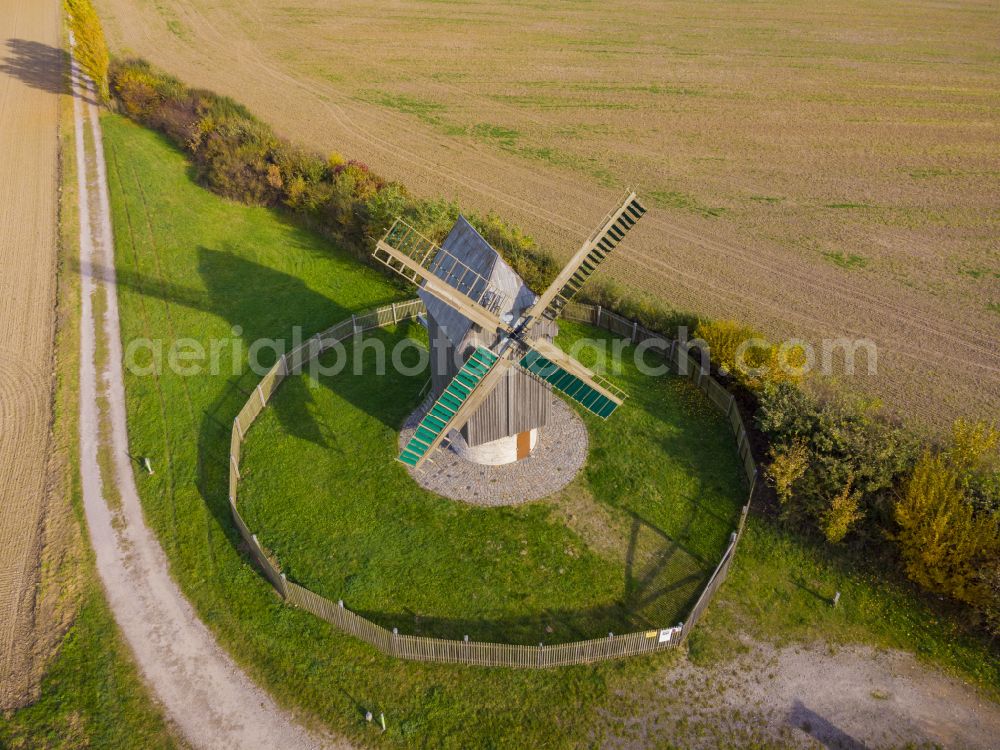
40,66
821,729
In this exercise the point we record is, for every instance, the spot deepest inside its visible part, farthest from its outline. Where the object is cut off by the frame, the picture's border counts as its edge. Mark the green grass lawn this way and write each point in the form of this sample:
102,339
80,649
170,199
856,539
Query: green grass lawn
651,514
193,265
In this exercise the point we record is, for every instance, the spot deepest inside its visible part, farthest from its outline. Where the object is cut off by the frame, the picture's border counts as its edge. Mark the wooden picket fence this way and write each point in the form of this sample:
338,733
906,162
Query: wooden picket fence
421,648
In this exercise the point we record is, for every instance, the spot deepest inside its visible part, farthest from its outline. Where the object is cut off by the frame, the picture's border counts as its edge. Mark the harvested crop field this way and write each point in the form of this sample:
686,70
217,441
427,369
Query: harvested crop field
819,172
30,77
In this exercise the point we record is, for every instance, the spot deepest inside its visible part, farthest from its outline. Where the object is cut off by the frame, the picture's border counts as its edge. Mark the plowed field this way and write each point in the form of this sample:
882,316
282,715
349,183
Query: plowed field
818,171
30,77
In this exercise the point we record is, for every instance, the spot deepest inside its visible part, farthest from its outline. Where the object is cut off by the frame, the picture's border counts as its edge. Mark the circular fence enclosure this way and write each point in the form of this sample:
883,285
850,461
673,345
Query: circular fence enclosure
422,648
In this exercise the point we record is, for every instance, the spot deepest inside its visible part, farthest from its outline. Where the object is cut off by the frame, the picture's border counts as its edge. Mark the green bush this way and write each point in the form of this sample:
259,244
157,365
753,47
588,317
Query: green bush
851,458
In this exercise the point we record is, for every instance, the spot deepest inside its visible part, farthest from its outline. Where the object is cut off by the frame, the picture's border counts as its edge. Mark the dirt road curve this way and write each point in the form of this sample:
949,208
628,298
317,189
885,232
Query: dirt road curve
212,702
29,81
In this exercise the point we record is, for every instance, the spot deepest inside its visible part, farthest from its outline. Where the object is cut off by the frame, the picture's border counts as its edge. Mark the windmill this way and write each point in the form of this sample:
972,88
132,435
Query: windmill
510,327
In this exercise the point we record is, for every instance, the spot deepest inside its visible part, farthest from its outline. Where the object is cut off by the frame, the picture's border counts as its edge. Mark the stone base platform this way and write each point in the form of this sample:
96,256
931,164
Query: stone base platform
558,456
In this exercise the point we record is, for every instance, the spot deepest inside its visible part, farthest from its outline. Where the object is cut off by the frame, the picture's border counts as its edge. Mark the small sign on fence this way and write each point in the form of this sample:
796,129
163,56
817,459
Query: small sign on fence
667,634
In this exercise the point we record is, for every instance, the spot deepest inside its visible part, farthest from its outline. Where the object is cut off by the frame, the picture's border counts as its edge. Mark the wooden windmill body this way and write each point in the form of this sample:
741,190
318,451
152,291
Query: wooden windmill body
493,362
504,428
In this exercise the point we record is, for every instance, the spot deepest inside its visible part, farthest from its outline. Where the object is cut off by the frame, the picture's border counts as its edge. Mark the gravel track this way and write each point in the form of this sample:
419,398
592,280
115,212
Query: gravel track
205,695
848,698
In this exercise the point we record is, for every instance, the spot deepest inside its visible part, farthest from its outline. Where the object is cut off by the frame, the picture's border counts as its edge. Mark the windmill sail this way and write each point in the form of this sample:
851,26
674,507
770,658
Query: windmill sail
473,296
455,405
441,273
568,376
594,251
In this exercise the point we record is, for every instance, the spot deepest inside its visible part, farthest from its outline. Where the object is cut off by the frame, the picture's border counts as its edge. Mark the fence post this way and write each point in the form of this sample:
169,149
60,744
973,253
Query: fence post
597,317
635,329
394,321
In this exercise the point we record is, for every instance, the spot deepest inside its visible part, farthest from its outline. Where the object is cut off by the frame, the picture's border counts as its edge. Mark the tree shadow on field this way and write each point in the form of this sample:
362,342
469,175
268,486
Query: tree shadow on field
821,729
262,307
41,67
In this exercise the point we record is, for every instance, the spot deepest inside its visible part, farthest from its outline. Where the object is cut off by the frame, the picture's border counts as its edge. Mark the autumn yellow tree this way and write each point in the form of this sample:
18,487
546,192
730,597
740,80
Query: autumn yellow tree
748,356
843,512
90,49
947,545
787,466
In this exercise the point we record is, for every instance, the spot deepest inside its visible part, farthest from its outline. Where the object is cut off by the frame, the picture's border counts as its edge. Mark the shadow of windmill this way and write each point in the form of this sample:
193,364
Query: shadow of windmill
257,303
663,577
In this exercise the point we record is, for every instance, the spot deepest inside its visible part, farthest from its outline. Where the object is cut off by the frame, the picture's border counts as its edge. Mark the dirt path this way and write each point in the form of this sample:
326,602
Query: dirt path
849,698
212,702
29,85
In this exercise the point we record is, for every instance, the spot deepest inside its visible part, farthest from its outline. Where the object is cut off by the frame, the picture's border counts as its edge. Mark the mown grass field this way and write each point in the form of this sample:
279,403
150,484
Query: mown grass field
193,265
626,547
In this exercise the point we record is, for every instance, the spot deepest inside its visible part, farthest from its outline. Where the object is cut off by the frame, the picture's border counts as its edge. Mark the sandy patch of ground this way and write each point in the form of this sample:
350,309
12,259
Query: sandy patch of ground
30,79
818,172
851,698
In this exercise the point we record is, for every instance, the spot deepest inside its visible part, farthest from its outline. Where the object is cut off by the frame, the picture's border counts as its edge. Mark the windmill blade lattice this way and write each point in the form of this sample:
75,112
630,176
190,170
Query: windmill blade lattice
417,259
586,260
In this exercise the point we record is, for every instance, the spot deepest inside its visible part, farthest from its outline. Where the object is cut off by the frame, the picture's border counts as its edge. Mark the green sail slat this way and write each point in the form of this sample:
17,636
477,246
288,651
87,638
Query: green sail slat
448,403
574,387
